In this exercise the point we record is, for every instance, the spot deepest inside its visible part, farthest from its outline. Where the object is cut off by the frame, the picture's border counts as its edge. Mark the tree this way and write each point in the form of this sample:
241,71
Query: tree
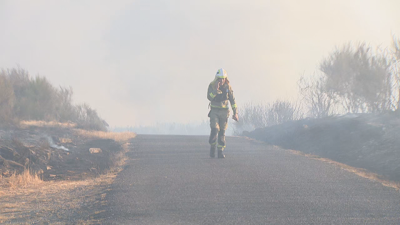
282,111
360,78
396,46
318,101
396,67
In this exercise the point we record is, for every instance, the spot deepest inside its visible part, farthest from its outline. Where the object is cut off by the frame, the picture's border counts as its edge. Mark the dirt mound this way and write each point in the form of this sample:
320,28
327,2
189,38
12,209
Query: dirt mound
369,141
55,152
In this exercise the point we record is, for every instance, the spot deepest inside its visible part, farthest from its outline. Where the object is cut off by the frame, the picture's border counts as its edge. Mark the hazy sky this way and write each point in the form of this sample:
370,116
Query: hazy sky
142,62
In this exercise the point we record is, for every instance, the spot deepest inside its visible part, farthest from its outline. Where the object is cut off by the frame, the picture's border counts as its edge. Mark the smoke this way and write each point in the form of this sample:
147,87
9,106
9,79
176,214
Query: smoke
51,143
143,62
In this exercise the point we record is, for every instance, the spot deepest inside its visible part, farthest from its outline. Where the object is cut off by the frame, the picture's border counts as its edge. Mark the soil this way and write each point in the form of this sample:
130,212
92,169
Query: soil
367,141
76,168
54,153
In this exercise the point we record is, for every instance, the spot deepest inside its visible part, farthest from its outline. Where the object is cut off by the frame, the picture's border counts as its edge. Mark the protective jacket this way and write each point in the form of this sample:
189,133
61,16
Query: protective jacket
220,98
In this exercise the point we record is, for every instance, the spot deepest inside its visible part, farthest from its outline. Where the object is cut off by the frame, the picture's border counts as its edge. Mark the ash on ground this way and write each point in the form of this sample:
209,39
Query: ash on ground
368,141
54,153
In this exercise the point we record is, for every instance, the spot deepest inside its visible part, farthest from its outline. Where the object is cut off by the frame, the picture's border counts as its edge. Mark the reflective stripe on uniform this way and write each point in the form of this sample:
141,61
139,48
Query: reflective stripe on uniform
214,144
221,146
219,107
234,106
212,95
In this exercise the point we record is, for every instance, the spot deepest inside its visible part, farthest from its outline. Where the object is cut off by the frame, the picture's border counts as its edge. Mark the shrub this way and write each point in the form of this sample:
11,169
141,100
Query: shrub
7,99
26,98
88,119
361,78
263,115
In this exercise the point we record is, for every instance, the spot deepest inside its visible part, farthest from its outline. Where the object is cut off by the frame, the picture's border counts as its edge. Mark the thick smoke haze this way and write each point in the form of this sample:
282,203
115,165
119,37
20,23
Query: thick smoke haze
144,62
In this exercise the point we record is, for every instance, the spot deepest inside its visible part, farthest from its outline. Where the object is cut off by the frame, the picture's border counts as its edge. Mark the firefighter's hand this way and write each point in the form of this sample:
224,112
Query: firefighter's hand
217,85
235,117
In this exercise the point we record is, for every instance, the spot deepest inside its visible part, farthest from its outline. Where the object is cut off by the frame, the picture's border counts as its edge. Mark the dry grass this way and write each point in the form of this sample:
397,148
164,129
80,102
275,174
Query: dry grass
120,159
27,198
28,123
54,200
65,140
23,180
117,136
121,137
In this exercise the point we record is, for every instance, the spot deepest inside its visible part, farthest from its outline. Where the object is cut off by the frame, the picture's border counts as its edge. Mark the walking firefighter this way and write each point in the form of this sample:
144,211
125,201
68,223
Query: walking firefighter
220,93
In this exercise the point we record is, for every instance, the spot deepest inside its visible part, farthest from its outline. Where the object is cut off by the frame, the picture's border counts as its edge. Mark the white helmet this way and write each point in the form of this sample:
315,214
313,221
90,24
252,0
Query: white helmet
221,73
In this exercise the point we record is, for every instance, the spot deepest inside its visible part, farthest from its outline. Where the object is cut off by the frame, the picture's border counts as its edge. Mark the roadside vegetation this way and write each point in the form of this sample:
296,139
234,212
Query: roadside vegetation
23,97
354,78
348,111
53,152
65,168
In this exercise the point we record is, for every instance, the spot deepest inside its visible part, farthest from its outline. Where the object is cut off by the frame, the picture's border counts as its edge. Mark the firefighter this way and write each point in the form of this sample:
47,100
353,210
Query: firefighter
220,93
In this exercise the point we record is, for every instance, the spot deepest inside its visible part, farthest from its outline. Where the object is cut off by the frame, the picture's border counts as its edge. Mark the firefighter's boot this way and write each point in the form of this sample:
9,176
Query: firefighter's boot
212,151
220,154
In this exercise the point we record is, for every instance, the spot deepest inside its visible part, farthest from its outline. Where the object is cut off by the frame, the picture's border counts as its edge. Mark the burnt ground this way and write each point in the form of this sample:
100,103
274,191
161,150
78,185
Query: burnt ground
368,141
77,167
54,153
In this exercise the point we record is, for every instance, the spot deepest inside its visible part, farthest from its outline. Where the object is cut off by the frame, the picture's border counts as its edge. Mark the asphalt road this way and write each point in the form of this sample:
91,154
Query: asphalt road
172,180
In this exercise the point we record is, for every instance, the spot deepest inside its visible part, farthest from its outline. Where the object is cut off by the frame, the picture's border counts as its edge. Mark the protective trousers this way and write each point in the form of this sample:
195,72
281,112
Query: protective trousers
218,124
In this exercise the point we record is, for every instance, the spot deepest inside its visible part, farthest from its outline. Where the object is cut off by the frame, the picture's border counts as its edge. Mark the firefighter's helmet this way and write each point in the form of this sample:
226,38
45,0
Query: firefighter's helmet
221,73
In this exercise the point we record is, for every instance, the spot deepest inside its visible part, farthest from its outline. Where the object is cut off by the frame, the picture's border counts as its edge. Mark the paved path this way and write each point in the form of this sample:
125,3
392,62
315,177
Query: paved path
172,180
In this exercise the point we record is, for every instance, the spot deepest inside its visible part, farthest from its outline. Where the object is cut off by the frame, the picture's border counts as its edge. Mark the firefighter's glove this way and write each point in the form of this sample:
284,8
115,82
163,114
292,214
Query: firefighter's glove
235,117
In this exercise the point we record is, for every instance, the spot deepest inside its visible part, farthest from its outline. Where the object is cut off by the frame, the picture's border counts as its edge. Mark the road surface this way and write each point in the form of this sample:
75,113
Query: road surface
172,180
